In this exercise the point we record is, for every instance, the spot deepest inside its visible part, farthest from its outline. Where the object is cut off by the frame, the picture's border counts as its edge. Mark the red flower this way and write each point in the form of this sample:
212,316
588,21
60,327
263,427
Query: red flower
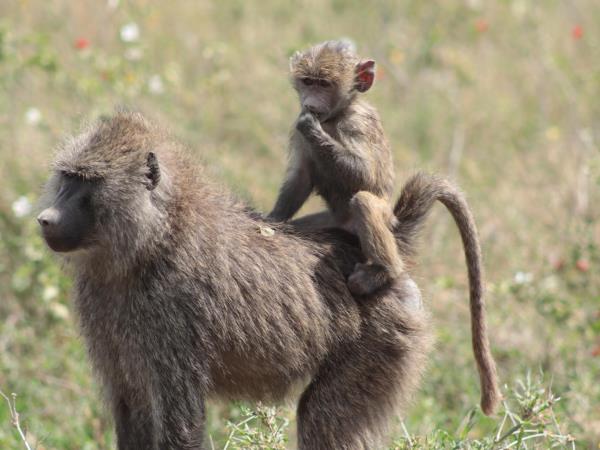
82,43
577,32
482,25
596,351
583,265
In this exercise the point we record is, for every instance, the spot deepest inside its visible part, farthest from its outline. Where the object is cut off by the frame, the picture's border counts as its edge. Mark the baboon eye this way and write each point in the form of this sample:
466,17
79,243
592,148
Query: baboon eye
324,83
307,81
86,201
72,175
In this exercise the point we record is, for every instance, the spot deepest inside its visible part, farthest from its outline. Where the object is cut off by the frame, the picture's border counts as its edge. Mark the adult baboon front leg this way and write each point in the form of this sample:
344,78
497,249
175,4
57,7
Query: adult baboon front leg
373,220
183,417
159,422
135,426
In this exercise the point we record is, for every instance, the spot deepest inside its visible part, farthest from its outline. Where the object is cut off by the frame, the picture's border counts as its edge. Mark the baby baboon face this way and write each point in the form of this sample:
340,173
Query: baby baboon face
328,76
317,95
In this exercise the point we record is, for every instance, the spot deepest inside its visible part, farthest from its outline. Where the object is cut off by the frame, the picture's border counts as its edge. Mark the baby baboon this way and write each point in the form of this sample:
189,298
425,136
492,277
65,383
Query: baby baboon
180,297
338,148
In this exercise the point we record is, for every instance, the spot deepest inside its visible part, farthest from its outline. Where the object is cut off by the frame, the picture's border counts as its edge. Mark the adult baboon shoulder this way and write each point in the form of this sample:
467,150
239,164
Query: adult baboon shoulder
181,297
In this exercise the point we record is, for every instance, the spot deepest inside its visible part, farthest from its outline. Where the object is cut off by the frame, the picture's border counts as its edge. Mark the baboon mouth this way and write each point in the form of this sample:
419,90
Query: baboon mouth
61,245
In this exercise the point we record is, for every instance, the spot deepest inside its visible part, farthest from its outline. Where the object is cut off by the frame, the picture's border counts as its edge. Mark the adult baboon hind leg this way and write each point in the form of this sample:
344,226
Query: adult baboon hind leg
352,397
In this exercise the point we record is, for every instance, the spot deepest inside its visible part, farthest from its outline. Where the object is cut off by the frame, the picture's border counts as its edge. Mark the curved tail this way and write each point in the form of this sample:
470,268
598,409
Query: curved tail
411,210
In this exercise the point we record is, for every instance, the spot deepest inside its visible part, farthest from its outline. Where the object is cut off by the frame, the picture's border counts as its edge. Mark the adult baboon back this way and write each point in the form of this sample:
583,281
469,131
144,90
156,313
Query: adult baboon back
181,297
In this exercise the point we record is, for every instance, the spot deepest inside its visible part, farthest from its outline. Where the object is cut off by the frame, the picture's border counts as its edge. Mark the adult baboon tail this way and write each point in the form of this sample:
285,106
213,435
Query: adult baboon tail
415,202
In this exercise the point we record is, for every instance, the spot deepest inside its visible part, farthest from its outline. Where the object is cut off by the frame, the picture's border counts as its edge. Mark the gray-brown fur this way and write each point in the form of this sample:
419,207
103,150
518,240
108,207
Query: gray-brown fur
181,298
338,149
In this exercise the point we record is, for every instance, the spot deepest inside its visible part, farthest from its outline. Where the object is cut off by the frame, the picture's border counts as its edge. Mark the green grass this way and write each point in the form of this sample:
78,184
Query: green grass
500,96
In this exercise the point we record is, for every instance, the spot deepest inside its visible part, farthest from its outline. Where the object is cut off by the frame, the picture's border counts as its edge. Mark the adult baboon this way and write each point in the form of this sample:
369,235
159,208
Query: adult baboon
180,297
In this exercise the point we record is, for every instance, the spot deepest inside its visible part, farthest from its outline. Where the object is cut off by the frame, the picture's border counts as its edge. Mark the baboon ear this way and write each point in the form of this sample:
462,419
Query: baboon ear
152,171
365,75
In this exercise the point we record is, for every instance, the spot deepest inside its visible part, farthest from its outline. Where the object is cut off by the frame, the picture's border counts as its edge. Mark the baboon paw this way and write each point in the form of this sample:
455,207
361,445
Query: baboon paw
306,122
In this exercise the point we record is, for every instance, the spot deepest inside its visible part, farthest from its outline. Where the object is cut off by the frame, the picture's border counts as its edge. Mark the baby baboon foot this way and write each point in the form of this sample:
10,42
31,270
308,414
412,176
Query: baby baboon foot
368,278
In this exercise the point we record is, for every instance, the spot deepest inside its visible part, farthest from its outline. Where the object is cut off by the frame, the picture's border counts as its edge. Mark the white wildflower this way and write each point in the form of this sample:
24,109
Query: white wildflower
21,207
50,292
523,277
33,116
59,310
130,32
155,84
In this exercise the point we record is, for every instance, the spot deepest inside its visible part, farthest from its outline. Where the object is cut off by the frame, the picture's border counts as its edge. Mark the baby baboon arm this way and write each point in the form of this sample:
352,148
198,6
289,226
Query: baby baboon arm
331,155
293,193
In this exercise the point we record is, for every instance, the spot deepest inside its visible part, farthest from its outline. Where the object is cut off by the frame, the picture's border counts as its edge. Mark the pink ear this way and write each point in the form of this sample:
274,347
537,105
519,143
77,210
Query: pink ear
365,75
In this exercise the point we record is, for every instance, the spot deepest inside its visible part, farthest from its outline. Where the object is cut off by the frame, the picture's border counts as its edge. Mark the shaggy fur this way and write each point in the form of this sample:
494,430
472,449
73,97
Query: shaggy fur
330,60
338,149
181,297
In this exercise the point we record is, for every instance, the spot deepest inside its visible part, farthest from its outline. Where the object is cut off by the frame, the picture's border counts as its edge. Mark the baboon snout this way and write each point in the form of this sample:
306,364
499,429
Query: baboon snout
314,105
49,218
63,231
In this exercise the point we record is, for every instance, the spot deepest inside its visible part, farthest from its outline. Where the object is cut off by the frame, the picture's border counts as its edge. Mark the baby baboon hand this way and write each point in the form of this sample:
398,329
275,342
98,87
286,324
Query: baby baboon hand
307,123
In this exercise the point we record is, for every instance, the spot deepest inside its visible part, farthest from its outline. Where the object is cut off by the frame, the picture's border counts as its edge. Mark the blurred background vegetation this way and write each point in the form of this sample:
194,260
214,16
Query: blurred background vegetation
501,96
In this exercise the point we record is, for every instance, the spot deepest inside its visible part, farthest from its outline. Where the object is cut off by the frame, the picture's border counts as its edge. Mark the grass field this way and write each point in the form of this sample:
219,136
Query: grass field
501,96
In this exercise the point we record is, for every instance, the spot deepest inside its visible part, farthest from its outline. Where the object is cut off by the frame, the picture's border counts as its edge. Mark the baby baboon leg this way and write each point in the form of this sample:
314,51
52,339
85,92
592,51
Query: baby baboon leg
372,218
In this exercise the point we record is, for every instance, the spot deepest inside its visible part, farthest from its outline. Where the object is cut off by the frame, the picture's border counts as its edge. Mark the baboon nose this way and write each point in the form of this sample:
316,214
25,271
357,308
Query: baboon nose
48,218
